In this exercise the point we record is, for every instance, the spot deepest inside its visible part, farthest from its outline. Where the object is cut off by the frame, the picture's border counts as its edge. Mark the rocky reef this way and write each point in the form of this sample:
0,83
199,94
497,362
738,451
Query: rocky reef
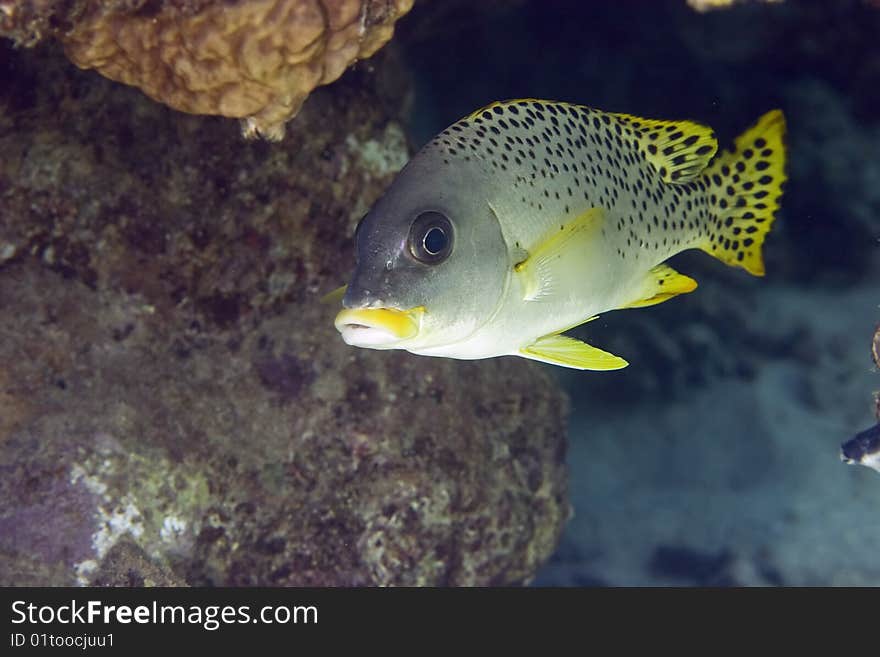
175,405
256,60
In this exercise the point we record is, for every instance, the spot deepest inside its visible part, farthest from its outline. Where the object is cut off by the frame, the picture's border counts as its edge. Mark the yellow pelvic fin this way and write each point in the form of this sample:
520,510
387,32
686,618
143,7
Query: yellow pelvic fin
744,188
335,296
541,268
662,283
568,352
679,150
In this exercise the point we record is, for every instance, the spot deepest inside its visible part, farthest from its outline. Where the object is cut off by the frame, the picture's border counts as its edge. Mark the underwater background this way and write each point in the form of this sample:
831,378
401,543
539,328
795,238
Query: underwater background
176,407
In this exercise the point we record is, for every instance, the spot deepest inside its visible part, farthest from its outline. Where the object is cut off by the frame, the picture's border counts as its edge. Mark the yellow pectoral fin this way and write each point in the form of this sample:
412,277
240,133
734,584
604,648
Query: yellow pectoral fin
335,296
568,352
662,283
541,269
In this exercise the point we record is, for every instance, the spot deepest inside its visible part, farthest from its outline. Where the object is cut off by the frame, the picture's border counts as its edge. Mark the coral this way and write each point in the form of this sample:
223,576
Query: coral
175,404
27,22
710,5
256,60
126,564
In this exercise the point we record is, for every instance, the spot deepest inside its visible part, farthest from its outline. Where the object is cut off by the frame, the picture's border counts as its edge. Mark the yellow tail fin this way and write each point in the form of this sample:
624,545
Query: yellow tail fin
744,188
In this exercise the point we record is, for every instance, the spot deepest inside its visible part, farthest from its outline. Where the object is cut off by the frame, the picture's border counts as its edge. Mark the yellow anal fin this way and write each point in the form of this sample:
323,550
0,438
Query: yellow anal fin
335,296
663,283
679,150
568,352
744,188
541,271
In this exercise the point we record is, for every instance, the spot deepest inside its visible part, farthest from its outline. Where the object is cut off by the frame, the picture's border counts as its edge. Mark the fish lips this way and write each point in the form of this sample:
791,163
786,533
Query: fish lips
378,328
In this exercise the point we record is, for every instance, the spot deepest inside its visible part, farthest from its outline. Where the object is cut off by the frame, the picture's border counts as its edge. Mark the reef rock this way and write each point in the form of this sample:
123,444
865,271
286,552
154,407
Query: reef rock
256,60
175,404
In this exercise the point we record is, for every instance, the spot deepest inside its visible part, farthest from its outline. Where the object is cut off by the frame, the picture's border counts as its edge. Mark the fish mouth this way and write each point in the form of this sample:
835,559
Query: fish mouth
378,328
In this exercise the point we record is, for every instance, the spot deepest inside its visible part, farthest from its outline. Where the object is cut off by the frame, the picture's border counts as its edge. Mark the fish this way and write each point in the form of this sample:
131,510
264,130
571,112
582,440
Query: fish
530,217
875,348
863,449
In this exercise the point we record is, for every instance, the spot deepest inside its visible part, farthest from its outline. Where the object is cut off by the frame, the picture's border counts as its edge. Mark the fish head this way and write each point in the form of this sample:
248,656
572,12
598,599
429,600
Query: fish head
431,261
863,449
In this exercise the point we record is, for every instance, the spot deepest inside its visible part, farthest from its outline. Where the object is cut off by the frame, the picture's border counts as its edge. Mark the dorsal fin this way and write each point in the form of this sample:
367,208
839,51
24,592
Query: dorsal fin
476,114
679,150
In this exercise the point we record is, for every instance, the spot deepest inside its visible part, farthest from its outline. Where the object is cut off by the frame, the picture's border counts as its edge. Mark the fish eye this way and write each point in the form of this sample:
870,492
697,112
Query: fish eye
430,238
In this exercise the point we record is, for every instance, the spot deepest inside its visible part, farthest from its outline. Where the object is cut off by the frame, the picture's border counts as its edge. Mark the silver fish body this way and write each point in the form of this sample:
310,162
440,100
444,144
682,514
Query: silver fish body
530,217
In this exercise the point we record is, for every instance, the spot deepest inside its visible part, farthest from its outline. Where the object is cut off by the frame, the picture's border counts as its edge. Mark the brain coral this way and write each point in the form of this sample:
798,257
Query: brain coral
256,60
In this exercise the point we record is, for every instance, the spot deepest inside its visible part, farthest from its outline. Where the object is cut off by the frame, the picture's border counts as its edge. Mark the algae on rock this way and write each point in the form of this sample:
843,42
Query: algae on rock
172,394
